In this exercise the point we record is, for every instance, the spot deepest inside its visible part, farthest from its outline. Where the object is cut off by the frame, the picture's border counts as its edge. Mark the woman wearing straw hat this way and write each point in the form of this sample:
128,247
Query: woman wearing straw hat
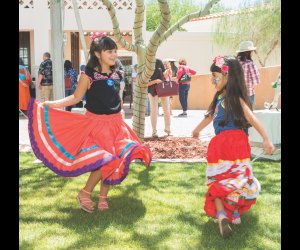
250,70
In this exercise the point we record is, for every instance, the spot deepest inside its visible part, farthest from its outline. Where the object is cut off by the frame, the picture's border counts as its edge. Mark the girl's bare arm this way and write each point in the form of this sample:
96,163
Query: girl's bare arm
267,144
201,125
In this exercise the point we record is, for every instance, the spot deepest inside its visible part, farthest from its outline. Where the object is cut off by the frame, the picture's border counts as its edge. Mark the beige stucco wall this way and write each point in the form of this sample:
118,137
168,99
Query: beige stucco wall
202,91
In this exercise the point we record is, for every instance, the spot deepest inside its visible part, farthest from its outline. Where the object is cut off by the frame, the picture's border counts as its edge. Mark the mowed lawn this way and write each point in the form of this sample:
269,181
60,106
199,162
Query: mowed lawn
156,208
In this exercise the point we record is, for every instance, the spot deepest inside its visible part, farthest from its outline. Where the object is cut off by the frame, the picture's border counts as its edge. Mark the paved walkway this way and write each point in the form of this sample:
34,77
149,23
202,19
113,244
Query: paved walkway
180,126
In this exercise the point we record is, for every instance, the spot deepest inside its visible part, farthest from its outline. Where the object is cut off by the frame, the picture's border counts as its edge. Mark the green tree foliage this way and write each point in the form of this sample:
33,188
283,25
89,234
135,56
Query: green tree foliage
261,24
178,9
219,7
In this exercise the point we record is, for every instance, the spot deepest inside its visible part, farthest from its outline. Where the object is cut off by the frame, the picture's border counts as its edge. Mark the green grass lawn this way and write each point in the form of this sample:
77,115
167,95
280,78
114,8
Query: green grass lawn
156,208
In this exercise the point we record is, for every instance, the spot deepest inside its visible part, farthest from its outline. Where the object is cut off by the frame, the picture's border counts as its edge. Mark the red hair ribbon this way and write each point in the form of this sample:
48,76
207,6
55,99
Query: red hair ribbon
97,34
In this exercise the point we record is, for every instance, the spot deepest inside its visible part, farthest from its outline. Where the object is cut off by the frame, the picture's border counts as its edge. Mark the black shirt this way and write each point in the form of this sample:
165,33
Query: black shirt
103,95
157,74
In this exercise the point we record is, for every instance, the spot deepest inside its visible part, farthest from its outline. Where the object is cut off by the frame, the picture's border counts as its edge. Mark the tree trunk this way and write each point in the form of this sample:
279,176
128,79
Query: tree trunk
270,50
140,95
259,60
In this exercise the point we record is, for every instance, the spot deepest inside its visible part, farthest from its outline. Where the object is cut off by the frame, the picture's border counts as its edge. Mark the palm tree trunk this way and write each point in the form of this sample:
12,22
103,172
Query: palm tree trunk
139,109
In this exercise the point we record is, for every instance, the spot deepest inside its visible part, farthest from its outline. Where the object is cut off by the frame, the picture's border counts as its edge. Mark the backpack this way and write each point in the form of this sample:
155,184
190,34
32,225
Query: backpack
185,77
68,82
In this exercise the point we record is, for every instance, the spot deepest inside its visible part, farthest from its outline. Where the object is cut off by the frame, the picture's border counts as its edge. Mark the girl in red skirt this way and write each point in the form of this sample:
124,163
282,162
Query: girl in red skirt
100,142
232,188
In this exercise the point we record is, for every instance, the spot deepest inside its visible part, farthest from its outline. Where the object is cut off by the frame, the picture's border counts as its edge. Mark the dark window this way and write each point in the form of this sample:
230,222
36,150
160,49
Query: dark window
75,50
24,48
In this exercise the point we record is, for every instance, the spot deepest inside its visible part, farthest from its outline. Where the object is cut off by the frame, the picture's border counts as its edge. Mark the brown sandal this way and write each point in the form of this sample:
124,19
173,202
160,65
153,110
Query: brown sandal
85,202
103,205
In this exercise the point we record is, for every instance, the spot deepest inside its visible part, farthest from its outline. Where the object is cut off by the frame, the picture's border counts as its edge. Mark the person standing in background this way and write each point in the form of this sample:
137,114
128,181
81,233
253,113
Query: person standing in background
250,70
120,68
168,74
174,68
184,87
156,78
70,72
82,70
45,78
24,85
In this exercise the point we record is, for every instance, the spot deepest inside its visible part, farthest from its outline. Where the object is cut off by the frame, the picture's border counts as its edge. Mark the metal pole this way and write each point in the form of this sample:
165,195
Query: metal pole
78,20
57,48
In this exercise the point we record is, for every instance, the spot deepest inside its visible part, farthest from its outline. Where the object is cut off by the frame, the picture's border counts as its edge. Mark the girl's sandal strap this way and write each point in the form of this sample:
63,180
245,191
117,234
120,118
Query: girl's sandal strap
83,190
103,205
85,203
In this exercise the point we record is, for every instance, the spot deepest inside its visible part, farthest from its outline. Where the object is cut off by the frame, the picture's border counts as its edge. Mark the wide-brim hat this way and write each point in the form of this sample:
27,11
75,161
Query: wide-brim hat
169,59
246,46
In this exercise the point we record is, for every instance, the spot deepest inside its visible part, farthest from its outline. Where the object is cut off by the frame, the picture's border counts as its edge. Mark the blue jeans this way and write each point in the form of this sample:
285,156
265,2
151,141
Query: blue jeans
67,93
183,95
251,100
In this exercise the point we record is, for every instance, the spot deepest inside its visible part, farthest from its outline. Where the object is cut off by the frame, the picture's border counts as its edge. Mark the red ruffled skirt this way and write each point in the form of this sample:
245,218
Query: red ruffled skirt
71,144
229,173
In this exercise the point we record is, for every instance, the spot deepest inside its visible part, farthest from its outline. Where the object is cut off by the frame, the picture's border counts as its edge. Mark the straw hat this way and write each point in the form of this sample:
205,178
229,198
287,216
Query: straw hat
246,46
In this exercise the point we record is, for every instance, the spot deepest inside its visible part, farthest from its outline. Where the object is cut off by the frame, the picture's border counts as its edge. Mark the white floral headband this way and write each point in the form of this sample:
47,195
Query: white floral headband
221,63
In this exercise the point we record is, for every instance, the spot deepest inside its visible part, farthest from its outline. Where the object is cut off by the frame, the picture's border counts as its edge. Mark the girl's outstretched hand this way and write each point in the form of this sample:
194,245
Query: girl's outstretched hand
195,133
268,146
48,103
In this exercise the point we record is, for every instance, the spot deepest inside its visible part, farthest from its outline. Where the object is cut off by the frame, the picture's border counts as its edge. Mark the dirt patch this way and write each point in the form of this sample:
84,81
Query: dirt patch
176,148
166,148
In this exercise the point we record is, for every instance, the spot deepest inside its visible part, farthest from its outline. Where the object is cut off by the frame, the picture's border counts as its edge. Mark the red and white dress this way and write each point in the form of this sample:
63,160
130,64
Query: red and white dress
229,174
71,144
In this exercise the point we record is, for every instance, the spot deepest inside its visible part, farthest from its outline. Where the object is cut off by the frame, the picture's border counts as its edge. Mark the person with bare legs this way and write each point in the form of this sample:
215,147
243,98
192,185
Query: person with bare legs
232,187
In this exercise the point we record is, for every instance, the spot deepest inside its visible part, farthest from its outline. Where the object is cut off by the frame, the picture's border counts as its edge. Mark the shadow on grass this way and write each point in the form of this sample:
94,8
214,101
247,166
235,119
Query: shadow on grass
25,245
28,170
212,239
151,241
37,178
144,177
90,229
123,211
